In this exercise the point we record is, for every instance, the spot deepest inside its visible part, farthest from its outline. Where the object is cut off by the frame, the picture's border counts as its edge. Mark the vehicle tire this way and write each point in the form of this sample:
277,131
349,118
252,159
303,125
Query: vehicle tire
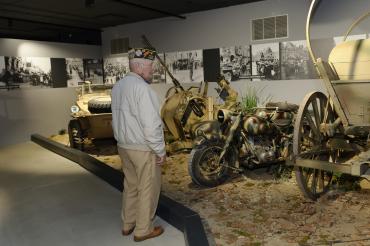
99,105
204,167
75,134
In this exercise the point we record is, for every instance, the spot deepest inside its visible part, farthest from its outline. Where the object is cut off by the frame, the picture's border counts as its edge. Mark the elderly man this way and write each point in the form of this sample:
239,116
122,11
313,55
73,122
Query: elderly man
137,127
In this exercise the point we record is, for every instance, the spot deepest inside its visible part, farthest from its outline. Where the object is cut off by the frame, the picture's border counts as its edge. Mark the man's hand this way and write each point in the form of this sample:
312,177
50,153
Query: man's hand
160,160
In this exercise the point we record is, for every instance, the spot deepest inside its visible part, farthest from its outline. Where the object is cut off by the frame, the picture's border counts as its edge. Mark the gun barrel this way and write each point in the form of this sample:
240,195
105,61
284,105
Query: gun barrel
174,80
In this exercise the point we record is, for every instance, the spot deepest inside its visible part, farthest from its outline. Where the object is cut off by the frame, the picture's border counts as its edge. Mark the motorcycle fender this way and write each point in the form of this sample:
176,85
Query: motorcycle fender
201,139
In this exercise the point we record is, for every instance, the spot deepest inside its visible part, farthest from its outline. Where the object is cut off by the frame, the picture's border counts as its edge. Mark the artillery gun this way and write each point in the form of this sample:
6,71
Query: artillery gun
183,124
331,133
188,112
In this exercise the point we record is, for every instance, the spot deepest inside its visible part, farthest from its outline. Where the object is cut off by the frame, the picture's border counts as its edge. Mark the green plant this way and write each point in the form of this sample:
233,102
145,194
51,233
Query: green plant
249,101
252,99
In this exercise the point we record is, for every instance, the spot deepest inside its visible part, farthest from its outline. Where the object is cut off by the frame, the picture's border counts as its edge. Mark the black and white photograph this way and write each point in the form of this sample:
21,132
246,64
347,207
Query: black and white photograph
3,78
93,71
186,66
235,62
295,61
159,73
265,62
115,69
27,72
74,67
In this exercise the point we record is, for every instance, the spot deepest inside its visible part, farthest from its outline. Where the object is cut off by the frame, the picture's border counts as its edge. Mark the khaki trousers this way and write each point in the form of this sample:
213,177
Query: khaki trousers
142,185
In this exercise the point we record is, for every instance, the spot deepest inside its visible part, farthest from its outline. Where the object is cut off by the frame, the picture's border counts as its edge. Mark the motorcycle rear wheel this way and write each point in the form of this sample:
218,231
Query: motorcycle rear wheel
204,166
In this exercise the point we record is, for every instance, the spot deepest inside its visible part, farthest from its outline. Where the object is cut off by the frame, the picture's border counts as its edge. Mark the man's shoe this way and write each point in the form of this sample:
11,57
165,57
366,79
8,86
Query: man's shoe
158,230
128,232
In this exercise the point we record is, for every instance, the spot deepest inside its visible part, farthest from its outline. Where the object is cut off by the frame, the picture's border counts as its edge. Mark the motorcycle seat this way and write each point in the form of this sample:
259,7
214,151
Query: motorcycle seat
283,106
282,122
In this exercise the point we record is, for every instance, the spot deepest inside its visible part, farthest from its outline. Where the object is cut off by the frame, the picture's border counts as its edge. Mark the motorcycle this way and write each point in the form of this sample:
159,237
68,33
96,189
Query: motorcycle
244,141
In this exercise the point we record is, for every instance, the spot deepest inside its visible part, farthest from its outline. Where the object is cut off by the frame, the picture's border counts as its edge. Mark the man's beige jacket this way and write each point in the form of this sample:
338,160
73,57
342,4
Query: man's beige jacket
136,119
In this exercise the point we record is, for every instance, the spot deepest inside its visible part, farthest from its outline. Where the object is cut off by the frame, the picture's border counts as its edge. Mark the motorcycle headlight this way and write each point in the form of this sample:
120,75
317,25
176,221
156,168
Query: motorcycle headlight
75,109
262,114
223,115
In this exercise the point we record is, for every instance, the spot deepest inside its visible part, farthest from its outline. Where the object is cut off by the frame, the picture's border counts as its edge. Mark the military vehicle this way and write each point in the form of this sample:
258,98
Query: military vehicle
332,133
247,141
185,113
189,112
91,115
183,124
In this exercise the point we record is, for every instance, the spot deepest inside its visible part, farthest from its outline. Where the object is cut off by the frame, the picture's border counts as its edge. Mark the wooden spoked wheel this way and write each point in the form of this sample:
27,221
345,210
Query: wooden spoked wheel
310,143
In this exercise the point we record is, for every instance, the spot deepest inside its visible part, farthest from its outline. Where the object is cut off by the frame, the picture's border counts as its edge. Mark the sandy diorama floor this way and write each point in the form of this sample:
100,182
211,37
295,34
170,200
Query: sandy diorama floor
257,209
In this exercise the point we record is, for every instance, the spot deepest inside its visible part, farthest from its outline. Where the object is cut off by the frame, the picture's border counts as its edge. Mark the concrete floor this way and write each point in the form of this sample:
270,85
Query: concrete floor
46,199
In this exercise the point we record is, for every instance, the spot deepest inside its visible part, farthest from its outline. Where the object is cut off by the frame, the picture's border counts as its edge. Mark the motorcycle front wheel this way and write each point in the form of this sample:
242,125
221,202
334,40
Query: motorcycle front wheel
205,166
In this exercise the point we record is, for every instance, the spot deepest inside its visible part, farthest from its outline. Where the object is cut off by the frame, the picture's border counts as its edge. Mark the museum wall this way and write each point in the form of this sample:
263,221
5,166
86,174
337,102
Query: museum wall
232,26
37,110
27,48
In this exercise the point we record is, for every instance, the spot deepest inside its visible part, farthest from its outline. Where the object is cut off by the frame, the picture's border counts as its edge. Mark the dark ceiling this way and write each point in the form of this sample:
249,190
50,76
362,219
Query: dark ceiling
80,21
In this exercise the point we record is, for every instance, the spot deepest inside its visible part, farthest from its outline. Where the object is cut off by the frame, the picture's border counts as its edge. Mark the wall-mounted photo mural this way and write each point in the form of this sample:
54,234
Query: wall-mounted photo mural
27,72
295,61
186,66
235,62
74,69
159,73
287,60
93,71
3,79
265,62
115,68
